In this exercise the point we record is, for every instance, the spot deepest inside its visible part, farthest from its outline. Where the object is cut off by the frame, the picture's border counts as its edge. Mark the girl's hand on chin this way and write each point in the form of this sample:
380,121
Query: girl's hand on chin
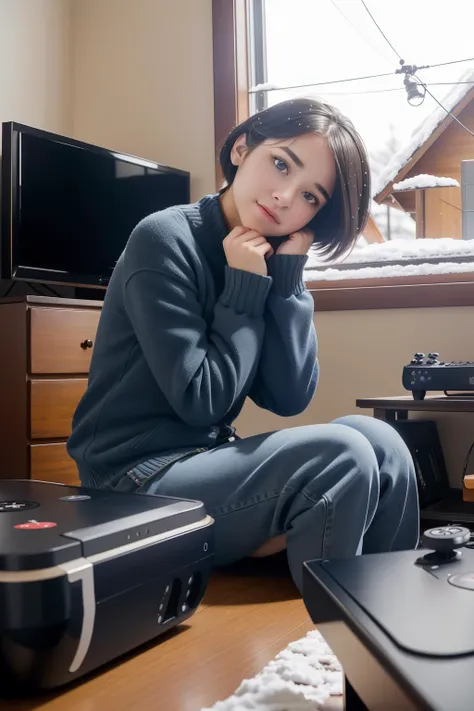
297,243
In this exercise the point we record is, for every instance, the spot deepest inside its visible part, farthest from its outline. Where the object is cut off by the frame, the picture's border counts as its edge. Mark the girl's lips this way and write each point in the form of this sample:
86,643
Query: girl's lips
269,215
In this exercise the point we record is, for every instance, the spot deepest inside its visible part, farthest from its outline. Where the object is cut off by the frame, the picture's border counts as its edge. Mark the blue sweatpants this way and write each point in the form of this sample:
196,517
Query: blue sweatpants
335,490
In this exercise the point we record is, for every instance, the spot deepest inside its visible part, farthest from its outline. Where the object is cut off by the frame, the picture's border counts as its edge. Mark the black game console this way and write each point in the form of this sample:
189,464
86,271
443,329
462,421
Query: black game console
88,575
401,624
422,375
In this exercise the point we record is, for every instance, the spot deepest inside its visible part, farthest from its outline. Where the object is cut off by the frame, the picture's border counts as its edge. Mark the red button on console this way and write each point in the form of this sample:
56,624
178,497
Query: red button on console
33,525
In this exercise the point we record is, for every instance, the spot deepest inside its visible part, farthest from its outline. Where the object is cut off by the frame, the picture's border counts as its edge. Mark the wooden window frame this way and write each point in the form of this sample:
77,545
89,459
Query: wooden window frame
231,106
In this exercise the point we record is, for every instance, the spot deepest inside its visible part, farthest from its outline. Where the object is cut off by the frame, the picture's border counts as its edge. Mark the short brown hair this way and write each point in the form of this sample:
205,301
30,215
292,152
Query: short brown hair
342,219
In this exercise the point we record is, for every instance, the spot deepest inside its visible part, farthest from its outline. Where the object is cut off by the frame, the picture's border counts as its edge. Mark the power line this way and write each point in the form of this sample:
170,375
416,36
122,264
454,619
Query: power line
449,83
358,93
402,61
356,29
379,29
270,87
412,72
456,61
397,88
444,108
262,87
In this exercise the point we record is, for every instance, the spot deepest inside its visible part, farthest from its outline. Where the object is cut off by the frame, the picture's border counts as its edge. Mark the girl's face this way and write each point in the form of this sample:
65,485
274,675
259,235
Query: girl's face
280,186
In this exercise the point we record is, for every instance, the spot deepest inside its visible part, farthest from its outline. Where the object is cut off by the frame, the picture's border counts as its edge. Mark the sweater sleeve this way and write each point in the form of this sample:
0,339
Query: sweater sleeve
288,369
201,368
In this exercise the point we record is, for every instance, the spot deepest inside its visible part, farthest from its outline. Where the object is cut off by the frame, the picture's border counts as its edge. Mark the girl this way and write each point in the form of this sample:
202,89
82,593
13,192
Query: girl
207,306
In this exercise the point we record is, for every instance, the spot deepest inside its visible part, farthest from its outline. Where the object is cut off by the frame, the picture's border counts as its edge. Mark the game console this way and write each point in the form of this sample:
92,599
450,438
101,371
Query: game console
423,374
401,623
87,575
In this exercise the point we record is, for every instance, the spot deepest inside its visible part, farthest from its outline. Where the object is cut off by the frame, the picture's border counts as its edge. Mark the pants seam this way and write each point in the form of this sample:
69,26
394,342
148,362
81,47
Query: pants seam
328,523
225,511
307,496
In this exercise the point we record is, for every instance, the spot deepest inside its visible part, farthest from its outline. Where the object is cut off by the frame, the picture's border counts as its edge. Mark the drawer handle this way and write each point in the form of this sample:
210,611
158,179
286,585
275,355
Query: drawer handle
87,344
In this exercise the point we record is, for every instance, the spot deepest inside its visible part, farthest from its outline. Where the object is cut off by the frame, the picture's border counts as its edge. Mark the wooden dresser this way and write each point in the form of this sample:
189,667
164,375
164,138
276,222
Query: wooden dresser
45,351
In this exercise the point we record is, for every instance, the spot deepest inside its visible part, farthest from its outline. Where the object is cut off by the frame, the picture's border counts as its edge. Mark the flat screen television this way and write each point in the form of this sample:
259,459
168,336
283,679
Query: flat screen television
68,207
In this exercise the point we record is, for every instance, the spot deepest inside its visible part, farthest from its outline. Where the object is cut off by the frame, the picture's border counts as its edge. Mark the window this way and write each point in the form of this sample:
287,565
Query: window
304,47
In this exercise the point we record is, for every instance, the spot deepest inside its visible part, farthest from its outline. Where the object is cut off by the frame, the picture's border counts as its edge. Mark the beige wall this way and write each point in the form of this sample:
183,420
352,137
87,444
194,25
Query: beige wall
132,76
35,68
143,81
361,355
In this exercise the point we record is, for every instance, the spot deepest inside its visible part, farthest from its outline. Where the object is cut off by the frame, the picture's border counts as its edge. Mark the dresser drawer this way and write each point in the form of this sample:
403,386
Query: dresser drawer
62,340
51,462
52,406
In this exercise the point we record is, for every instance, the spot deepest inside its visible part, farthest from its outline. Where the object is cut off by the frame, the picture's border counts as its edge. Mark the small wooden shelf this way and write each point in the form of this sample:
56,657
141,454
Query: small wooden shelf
452,508
391,408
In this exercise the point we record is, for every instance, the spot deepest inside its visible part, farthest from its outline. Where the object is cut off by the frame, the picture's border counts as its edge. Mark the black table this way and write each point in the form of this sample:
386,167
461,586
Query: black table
403,634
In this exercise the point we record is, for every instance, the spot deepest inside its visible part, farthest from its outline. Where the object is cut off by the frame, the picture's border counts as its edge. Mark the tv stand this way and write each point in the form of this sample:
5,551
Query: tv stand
47,343
17,288
87,294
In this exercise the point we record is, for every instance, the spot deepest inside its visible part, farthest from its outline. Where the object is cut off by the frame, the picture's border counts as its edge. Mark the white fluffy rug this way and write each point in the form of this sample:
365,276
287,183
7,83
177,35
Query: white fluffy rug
302,677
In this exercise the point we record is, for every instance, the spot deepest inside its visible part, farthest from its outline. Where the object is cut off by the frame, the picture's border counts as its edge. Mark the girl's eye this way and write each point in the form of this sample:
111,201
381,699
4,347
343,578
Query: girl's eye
280,164
309,197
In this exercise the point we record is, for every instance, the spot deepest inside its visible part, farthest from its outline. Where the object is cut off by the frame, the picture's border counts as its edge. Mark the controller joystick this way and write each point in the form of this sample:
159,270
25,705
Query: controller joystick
443,542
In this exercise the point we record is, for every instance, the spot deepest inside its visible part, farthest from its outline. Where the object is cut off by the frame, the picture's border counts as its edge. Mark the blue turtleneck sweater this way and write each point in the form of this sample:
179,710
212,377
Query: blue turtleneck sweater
183,339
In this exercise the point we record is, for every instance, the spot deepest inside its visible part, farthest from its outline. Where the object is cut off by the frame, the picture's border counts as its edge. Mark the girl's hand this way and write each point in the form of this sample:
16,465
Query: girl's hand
247,250
297,243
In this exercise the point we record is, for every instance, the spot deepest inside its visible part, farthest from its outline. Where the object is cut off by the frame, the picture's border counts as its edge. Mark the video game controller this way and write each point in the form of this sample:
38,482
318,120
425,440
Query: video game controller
444,543
422,375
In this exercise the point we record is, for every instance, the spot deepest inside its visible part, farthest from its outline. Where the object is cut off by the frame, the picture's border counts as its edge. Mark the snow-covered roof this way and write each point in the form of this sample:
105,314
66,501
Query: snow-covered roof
423,132
425,181
403,249
395,258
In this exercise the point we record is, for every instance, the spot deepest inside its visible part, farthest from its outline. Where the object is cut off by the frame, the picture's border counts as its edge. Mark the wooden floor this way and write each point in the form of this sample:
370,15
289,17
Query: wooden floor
246,618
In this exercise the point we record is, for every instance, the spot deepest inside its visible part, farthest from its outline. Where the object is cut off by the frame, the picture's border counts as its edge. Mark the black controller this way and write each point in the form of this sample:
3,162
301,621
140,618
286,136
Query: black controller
423,374
444,543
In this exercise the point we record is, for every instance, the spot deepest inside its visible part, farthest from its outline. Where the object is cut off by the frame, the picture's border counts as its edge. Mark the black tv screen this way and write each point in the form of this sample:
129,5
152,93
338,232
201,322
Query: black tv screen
68,207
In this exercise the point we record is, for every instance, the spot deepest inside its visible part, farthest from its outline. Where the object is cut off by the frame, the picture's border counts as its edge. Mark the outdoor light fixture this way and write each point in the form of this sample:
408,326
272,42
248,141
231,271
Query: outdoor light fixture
415,97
